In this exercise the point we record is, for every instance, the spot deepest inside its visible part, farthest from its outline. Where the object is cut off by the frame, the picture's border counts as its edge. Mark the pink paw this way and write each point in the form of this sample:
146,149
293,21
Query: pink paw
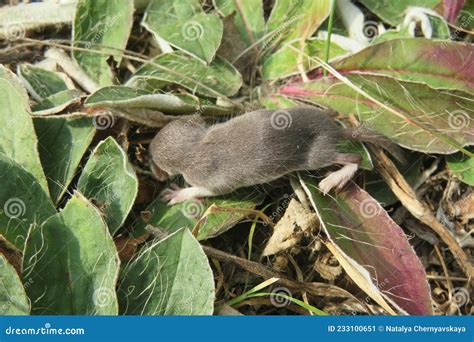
174,194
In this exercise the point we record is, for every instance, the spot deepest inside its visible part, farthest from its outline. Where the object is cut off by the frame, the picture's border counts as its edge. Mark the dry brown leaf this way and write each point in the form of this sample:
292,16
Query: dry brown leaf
326,266
288,231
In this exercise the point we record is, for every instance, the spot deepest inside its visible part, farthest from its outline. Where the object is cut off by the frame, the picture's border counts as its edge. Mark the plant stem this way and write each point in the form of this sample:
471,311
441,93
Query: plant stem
328,40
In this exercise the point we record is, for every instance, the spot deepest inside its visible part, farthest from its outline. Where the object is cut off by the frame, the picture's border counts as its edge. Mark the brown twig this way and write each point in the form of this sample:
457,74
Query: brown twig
417,208
315,289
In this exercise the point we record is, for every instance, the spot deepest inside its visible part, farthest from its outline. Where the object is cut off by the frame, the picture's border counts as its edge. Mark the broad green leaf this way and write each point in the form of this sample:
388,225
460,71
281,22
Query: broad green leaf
23,202
17,134
39,82
462,167
187,214
366,234
218,79
429,120
63,142
248,18
57,102
168,277
393,12
440,64
126,97
13,299
284,62
109,181
71,263
296,19
440,28
186,26
102,26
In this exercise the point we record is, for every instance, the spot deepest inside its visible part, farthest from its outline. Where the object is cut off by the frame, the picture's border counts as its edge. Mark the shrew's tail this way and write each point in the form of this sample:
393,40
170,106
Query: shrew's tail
366,135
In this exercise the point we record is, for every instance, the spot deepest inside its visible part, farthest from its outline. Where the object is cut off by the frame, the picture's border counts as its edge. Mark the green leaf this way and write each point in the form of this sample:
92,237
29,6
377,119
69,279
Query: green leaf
63,142
102,26
41,83
146,107
284,62
296,19
109,181
17,135
186,26
248,17
187,214
365,233
278,102
71,263
13,299
126,97
440,27
23,202
462,167
218,79
57,102
392,12
440,64
430,121
168,277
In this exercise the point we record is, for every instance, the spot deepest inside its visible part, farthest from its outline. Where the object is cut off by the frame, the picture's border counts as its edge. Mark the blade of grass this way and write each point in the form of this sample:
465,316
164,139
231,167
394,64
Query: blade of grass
252,232
252,291
328,40
298,302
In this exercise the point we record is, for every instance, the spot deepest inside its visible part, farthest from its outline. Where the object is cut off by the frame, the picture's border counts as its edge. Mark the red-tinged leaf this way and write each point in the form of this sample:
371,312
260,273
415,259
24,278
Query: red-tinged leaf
440,64
451,9
427,120
364,231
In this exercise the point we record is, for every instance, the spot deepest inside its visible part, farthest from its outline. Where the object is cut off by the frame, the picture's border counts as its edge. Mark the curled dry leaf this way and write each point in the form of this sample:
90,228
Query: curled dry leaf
326,268
288,231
